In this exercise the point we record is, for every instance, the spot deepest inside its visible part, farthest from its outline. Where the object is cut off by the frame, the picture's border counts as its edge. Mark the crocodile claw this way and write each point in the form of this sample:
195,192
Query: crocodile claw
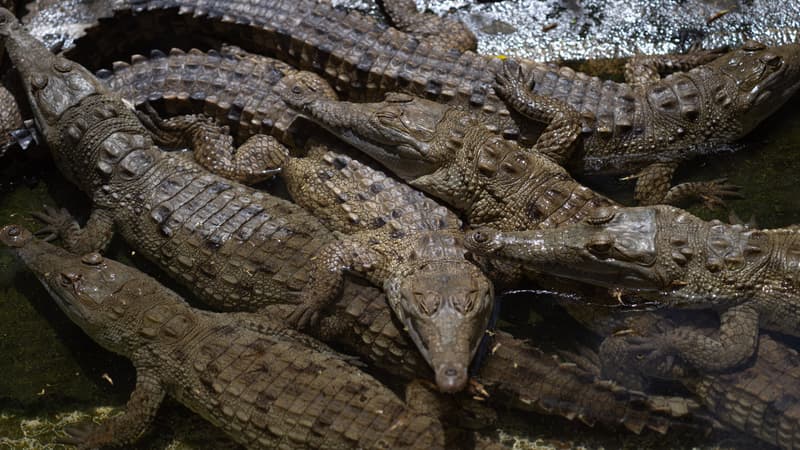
715,192
79,435
55,220
512,82
305,315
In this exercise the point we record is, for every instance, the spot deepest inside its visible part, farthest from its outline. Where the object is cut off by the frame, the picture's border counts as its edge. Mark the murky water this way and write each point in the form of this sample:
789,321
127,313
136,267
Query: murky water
51,374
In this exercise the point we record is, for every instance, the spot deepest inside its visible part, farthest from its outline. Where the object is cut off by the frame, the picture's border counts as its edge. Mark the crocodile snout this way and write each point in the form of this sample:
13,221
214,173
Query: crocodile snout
451,377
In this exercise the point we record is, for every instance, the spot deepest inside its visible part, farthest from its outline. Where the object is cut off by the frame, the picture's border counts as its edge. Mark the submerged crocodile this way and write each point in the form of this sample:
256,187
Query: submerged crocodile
757,398
361,320
671,257
395,237
647,126
265,385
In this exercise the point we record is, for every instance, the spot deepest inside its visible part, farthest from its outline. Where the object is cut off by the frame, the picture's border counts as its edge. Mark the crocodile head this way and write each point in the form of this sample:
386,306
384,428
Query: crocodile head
52,83
90,289
54,86
613,247
445,304
397,132
755,81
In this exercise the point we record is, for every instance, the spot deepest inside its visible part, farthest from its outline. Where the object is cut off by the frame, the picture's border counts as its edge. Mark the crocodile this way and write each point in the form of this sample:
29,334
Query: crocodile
450,154
191,208
389,233
264,384
361,320
644,127
666,255
756,398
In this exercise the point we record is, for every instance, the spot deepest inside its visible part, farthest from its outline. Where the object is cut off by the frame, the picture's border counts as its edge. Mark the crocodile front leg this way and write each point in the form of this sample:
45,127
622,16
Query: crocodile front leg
645,69
94,236
737,340
258,159
558,140
441,31
327,277
653,187
126,428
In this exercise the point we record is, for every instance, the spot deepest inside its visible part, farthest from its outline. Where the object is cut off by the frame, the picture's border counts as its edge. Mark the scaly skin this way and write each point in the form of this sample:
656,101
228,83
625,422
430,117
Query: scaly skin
645,127
396,238
265,385
450,154
361,320
669,256
756,399
223,239
444,31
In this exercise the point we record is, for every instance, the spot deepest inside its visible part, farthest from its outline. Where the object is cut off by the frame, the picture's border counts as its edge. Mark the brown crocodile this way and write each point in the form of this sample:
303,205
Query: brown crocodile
645,127
265,385
395,237
666,255
757,398
225,240
449,153
361,320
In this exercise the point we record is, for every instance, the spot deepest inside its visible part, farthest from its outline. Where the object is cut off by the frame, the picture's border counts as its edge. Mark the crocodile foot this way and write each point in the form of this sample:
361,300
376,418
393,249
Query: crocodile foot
512,84
654,355
58,223
306,314
83,435
712,194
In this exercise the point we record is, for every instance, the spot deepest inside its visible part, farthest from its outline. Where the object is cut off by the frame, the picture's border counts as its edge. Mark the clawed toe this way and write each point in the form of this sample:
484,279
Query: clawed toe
77,434
303,317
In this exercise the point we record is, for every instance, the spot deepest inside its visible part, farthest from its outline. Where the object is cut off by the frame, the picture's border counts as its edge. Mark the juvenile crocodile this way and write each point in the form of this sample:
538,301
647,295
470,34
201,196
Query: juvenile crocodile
647,126
757,398
450,153
265,385
225,240
361,320
395,237
669,256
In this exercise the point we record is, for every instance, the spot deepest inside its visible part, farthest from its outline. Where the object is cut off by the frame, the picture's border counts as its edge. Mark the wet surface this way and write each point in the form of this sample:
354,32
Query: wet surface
52,374
550,30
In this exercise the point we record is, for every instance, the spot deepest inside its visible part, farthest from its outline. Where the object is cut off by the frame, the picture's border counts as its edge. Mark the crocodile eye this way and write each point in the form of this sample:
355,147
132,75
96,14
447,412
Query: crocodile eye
39,81
601,215
600,245
428,304
753,46
62,66
68,278
771,60
480,237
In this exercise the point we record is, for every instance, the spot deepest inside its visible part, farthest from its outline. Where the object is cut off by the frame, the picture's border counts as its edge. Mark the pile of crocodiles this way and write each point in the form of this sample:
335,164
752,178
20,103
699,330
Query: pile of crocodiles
420,180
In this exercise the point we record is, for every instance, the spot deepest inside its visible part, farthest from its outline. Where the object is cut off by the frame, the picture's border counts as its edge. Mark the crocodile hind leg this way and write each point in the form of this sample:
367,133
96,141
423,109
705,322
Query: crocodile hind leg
653,187
258,159
327,277
558,140
736,342
128,427
645,69
442,31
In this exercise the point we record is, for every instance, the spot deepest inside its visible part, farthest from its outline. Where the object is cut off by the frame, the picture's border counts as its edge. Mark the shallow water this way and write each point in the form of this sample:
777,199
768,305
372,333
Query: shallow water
51,374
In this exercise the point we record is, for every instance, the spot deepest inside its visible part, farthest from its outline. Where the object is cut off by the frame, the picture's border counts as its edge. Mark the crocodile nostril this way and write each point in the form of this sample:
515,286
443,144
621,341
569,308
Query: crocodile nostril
451,372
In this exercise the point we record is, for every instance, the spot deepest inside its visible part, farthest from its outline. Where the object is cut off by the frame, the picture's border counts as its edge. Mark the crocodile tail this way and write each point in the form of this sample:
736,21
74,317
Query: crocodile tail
533,380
